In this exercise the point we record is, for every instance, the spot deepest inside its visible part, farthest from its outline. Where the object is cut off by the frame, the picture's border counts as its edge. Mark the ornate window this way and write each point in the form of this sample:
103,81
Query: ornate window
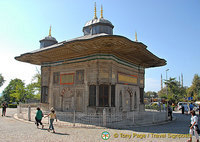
44,94
120,99
103,95
113,95
79,76
92,95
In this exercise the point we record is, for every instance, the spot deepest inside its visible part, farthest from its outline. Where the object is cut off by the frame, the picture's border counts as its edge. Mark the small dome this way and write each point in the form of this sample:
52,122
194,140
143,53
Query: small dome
98,21
47,41
98,26
50,38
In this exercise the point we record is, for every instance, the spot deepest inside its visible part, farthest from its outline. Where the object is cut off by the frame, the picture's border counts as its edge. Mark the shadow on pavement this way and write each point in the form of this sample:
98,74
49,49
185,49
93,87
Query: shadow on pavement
55,132
60,133
178,126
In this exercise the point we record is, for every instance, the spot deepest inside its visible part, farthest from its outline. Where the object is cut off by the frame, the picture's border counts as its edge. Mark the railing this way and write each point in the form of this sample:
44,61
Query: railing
105,119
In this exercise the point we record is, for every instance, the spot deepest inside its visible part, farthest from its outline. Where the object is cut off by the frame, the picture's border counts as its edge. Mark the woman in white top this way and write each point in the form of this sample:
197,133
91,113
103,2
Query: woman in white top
52,117
194,126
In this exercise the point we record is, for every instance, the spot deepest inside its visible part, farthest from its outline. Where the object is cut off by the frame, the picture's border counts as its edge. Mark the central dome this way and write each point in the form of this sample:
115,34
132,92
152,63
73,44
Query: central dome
98,25
97,21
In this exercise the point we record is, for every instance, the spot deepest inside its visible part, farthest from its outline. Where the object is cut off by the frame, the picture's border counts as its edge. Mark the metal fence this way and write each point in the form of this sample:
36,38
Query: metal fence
105,119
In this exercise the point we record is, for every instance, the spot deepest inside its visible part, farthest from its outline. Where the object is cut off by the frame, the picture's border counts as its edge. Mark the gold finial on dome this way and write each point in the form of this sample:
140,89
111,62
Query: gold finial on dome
95,11
50,31
136,36
101,11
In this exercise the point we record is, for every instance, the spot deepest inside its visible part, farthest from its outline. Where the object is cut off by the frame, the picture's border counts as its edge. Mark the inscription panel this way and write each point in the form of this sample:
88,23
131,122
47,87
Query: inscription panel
67,78
125,78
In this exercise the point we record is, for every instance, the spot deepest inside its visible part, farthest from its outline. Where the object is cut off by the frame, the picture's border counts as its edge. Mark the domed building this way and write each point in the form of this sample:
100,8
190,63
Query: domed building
93,72
48,40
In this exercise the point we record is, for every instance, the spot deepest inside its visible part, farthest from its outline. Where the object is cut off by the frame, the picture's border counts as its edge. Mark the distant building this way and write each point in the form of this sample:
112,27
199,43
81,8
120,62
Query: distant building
92,72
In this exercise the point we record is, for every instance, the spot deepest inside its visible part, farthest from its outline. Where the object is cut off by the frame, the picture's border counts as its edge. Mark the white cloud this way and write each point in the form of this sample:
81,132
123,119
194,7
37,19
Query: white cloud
152,84
11,69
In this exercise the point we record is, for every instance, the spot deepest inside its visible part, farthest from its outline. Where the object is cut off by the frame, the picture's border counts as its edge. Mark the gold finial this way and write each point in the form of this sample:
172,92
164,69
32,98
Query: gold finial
136,36
101,11
50,31
95,11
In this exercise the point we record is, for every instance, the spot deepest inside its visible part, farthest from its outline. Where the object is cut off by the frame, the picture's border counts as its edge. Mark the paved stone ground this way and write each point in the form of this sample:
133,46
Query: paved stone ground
22,131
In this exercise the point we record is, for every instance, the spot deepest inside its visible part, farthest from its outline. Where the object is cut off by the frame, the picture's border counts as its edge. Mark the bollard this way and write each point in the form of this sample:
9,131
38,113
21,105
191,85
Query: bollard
29,113
104,117
74,119
133,117
20,110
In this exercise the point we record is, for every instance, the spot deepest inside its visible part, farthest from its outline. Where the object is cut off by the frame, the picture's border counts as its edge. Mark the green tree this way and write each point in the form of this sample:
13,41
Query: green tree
1,80
194,89
15,91
175,91
19,94
33,89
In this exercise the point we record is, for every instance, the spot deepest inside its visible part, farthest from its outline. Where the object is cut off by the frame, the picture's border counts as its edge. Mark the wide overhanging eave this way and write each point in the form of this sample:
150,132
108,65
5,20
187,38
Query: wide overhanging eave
122,47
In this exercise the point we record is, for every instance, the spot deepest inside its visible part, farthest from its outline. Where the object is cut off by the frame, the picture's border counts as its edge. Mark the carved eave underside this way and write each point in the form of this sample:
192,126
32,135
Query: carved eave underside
123,48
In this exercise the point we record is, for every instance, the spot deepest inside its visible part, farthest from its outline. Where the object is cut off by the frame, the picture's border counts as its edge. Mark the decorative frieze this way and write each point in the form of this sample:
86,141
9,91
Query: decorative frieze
127,79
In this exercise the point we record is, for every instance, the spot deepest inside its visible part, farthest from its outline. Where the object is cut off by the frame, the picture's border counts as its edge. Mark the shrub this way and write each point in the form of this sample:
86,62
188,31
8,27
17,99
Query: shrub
147,107
12,105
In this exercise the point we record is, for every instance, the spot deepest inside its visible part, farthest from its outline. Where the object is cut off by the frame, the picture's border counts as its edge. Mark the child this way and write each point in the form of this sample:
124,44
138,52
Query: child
52,117
38,117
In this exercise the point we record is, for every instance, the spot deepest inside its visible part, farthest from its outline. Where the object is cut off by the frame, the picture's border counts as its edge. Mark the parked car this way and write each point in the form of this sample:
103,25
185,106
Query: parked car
153,103
196,107
185,104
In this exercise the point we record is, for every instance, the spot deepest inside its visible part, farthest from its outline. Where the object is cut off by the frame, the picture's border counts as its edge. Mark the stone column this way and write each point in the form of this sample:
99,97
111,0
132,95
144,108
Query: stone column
109,95
97,95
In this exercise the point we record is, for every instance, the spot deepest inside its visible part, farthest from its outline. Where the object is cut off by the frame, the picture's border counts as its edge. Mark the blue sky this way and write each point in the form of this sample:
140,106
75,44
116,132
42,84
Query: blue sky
170,29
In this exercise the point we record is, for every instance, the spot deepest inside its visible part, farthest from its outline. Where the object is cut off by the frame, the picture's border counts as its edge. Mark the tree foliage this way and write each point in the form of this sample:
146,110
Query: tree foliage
173,91
194,89
16,91
34,88
1,80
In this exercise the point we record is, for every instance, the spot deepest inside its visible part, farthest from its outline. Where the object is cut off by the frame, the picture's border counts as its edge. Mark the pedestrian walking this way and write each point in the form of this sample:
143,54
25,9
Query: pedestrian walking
170,112
191,106
4,106
183,109
52,116
38,118
163,106
186,109
194,126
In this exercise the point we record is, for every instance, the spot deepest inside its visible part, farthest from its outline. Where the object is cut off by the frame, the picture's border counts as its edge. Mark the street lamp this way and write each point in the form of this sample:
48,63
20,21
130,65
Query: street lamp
167,93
